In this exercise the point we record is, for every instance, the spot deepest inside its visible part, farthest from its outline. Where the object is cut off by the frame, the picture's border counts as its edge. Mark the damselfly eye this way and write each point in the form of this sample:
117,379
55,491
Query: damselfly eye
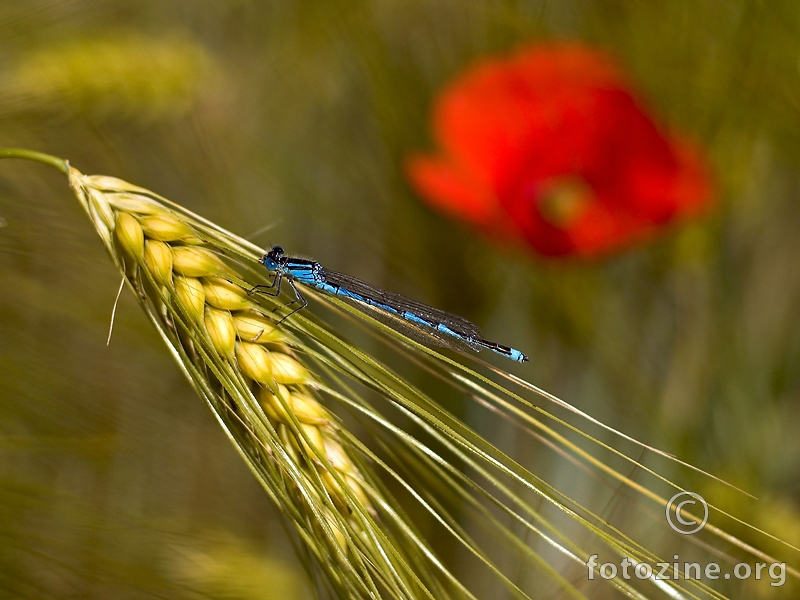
269,262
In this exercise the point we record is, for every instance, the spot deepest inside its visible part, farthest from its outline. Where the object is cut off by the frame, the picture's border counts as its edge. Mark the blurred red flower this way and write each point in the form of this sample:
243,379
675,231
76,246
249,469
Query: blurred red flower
550,146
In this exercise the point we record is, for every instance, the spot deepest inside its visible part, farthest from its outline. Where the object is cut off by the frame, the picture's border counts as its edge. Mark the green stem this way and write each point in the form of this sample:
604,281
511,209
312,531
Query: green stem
53,161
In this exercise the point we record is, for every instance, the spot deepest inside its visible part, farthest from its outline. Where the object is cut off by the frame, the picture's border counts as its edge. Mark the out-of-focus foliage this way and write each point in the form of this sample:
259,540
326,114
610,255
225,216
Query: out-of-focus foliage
221,566
295,115
122,76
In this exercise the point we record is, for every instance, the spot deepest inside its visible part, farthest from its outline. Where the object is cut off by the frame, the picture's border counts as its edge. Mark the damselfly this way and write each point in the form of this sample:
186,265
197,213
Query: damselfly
440,328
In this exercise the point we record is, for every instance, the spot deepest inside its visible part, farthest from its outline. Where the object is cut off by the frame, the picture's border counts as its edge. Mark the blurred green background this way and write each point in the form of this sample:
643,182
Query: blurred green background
287,122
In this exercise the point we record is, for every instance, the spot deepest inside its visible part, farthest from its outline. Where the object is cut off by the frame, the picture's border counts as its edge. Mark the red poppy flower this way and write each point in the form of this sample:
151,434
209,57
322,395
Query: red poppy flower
550,146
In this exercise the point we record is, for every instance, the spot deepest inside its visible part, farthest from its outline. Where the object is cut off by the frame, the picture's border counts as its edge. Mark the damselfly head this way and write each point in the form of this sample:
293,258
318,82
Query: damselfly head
272,259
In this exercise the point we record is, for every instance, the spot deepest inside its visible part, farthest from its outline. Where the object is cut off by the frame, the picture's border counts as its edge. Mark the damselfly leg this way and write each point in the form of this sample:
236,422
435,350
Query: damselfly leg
298,297
259,289
267,290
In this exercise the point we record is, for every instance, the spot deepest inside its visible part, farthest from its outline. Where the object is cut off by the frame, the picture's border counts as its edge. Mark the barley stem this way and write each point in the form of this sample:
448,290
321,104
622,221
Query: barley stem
47,159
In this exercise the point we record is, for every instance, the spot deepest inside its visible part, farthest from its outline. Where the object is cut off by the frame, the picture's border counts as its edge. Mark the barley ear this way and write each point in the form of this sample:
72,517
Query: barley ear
193,281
